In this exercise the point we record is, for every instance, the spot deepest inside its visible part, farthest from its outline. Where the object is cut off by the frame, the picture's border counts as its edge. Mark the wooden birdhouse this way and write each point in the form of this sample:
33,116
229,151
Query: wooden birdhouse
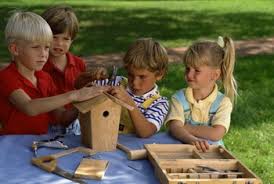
99,120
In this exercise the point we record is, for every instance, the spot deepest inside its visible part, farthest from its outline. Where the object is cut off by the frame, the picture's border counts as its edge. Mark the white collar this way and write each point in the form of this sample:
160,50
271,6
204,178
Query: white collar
150,93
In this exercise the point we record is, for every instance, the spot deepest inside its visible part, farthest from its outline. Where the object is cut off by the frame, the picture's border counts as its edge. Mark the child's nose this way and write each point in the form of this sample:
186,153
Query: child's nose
45,52
189,74
58,42
135,82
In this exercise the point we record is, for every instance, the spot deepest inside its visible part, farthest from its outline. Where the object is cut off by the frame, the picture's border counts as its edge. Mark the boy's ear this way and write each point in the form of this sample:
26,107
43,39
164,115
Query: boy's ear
13,48
159,75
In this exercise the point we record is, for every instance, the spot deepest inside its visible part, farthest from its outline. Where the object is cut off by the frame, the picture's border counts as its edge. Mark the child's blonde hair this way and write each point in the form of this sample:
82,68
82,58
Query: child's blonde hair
219,55
27,26
145,53
62,18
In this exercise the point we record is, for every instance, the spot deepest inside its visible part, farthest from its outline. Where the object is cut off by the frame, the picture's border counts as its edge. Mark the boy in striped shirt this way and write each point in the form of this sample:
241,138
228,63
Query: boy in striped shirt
146,63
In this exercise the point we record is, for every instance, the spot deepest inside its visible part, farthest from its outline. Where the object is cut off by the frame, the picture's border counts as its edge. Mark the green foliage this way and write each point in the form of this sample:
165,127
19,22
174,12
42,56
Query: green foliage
110,26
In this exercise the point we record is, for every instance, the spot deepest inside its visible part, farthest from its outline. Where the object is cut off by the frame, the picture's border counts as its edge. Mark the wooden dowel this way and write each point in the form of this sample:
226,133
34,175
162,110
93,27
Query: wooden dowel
133,154
137,154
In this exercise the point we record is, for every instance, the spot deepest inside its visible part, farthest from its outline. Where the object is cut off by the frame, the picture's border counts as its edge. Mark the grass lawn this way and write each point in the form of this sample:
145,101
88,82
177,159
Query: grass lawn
251,136
110,26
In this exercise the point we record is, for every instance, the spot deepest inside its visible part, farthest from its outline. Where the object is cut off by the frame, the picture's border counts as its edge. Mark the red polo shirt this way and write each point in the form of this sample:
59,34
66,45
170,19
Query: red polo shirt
64,80
14,121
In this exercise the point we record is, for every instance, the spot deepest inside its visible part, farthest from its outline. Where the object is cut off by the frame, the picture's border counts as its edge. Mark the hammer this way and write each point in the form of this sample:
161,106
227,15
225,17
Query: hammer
133,154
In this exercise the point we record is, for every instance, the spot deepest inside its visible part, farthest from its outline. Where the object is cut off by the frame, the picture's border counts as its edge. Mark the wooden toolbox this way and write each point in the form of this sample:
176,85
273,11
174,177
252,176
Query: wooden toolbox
184,164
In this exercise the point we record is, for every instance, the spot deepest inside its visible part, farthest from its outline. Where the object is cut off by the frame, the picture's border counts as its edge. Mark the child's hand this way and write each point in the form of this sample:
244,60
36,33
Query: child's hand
98,73
201,145
85,78
120,93
86,93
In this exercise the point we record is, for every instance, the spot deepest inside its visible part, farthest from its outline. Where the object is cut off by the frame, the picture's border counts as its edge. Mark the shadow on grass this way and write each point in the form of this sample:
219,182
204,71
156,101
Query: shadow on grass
112,29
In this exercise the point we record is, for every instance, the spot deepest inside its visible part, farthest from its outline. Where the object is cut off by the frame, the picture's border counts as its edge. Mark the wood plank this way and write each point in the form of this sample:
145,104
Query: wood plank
118,101
196,154
105,120
174,155
86,135
227,164
158,148
91,169
86,106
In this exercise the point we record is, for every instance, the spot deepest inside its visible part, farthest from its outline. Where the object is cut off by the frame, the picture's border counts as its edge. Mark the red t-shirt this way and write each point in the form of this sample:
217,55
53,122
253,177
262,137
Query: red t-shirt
64,80
14,121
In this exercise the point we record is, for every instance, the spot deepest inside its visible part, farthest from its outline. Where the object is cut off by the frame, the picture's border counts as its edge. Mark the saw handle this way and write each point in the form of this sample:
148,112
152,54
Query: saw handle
47,163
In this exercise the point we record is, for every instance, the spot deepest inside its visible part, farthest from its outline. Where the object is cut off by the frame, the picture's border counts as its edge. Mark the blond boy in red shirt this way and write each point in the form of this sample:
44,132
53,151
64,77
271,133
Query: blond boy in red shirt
26,92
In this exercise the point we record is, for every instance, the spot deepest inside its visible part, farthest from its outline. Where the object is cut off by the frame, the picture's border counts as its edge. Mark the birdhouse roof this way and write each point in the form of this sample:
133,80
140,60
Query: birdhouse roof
86,106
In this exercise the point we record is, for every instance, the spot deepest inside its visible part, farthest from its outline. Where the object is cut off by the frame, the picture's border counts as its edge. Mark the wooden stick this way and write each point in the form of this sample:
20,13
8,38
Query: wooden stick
137,154
123,148
133,154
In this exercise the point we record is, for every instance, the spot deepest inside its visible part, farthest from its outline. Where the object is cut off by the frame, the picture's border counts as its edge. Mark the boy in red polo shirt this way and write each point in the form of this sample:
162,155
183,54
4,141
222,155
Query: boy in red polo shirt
62,65
26,92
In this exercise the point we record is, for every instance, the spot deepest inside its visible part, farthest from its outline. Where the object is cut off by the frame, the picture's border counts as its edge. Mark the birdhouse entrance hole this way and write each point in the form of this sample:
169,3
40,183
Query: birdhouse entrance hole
105,114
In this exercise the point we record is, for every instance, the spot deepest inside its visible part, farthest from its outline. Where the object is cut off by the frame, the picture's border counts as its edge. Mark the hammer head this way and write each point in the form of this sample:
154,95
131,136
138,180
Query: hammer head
113,76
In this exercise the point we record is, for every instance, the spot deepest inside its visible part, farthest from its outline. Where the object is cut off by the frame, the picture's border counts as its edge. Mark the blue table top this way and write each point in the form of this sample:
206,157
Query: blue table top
16,154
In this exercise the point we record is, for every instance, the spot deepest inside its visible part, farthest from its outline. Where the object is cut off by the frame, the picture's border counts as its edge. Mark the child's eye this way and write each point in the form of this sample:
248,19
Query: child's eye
187,69
142,77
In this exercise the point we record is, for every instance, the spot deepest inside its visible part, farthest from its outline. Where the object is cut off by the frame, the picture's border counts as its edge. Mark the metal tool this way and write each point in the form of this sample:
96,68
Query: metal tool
112,78
49,143
208,169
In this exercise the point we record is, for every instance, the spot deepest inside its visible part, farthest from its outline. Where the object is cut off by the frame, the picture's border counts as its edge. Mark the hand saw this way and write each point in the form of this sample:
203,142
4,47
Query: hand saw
49,163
